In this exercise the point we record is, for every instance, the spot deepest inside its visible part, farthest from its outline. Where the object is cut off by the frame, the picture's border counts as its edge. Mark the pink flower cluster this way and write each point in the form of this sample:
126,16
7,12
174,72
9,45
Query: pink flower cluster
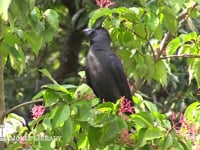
125,138
125,106
23,140
37,111
185,128
104,3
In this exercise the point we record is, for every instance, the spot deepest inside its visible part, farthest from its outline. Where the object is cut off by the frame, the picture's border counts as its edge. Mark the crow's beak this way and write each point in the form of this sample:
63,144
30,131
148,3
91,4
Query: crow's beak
88,31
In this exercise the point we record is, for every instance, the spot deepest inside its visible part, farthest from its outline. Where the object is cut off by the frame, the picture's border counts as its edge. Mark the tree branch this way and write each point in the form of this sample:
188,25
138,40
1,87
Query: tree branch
181,56
184,15
21,105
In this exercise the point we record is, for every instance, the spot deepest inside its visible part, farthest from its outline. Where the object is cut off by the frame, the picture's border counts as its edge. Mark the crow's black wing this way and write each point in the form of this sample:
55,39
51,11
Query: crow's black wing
88,79
119,75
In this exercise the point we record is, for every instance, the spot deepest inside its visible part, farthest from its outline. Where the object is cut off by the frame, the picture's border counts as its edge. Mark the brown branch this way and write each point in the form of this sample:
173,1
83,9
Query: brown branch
168,37
181,56
21,105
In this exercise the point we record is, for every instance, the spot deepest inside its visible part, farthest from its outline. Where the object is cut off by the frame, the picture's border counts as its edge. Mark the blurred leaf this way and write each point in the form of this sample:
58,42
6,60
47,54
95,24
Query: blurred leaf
160,73
56,87
47,124
170,20
106,107
39,94
19,10
159,33
67,132
4,5
151,106
152,20
84,92
173,46
112,129
52,18
62,113
34,40
46,73
35,19
94,135
143,119
81,74
84,111
167,142
194,71
17,59
97,14
153,133
190,109
50,97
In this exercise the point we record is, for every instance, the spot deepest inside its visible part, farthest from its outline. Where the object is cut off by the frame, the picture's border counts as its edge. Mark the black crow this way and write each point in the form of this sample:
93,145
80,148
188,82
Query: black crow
104,71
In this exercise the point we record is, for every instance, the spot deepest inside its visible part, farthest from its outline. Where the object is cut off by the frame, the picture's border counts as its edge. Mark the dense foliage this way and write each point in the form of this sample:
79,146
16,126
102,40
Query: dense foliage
158,43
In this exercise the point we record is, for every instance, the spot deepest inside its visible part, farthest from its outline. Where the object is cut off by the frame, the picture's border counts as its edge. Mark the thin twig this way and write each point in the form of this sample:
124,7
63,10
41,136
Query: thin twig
181,56
21,105
144,38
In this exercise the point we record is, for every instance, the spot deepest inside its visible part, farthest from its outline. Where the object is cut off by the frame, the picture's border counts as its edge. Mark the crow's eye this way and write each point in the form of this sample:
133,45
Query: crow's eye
93,34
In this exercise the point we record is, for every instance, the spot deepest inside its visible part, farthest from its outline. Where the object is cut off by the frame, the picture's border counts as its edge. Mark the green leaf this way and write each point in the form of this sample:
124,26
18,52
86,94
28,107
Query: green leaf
112,129
62,113
94,135
173,46
167,142
152,21
194,71
83,91
143,119
128,38
48,75
170,20
141,142
149,63
151,106
34,40
140,29
48,33
153,133
106,107
97,14
51,17
39,94
17,59
67,132
56,87
11,39
159,33
35,19
190,109
47,124
50,97
19,11
188,37
84,111
160,73
4,5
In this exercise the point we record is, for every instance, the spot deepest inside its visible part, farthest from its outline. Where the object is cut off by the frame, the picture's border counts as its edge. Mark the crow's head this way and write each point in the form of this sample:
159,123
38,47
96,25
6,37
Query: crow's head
98,35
